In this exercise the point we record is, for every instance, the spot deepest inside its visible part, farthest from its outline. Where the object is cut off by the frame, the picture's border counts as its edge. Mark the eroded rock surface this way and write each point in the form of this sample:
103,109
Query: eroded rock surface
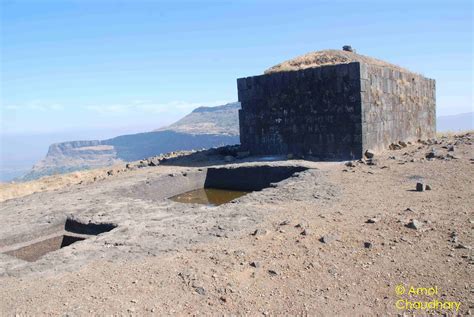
170,258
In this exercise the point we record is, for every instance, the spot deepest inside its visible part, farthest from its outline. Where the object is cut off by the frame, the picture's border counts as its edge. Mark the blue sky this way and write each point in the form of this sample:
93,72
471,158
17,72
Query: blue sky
131,66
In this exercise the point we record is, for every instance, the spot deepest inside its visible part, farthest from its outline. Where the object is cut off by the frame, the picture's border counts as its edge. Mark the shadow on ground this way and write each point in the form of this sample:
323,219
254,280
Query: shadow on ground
230,155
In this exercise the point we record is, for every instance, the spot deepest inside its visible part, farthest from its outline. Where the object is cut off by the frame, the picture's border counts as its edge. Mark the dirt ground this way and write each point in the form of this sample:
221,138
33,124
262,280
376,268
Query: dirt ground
333,240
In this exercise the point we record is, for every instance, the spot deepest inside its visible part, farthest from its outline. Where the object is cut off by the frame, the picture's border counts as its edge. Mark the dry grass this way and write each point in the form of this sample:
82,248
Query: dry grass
328,57
50,183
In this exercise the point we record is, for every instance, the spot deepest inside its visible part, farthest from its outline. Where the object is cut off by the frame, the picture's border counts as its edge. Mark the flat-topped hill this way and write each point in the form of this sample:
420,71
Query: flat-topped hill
205,127
209,120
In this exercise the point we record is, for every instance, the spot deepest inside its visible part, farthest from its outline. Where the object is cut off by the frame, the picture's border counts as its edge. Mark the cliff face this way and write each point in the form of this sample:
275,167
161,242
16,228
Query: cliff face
69,147
205,127
73,156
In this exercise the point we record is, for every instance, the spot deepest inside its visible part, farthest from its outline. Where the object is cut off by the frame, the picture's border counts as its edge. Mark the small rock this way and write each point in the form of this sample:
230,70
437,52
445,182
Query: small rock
223,298
259,232
305,232
367,245
431,154
200,290
454,237
284,223
394,146
328,238
272,272
373,220
350,164
371,162
451,148
153,162
419,187
402,144
369,154
414,224
255,264
462,246
142,164
427,187
348,48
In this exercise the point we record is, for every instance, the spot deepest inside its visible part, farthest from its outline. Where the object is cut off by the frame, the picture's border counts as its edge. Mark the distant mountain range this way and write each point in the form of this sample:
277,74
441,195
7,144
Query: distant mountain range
205,127
209,120
457,122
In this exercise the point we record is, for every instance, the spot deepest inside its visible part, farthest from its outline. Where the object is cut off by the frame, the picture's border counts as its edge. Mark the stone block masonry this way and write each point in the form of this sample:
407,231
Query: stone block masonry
334,112
396,106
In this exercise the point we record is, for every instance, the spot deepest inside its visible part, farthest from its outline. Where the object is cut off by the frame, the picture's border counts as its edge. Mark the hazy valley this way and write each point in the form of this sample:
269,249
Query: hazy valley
205,127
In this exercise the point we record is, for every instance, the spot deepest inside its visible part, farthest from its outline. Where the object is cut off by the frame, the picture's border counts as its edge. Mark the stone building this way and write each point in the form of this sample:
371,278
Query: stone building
334,105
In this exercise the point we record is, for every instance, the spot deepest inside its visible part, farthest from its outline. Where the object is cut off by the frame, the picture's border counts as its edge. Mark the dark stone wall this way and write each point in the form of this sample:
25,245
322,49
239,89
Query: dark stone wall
314,112
335,112
249,178
396,106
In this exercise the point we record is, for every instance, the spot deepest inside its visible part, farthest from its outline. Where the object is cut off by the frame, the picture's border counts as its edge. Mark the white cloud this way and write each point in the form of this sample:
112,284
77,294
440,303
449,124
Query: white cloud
109,109
12,107
176,107
35,106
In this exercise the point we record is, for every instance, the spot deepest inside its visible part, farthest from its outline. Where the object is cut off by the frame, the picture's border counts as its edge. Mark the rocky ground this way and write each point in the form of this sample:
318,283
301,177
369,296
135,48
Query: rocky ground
336,239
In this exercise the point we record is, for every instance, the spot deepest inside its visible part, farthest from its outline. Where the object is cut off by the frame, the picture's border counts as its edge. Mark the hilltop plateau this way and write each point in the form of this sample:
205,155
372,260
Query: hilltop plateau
316,238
